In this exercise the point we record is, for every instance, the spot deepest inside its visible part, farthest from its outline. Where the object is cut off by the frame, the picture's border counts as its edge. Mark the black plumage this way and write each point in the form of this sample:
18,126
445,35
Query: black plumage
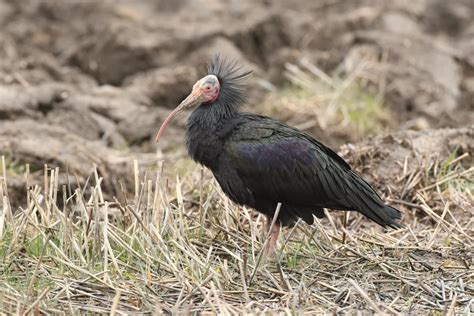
260,162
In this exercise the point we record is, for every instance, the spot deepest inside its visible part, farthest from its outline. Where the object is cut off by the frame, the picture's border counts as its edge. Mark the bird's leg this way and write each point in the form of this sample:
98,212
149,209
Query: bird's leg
273,232
344,222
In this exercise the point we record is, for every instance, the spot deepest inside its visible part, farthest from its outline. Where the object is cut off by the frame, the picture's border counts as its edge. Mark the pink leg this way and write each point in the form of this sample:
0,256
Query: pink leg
273,233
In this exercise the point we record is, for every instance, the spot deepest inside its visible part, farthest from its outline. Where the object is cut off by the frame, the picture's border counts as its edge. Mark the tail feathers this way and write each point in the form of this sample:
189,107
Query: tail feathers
385,216
365,200
393,215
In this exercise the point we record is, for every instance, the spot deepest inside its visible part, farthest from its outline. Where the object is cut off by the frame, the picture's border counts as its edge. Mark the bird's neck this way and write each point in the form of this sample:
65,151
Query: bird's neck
204,132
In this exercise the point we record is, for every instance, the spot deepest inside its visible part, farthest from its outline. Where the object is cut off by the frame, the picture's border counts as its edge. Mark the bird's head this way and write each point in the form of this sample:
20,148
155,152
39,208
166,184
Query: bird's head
205,90
223,84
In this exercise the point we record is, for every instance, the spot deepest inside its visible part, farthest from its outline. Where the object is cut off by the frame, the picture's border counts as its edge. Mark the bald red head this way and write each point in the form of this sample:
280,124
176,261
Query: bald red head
204,90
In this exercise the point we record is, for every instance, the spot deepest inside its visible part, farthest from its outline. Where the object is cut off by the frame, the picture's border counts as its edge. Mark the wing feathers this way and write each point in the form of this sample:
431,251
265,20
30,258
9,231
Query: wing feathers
285,165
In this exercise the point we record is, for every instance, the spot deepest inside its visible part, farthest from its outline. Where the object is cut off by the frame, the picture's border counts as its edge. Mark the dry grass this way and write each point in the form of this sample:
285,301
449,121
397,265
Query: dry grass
348,103
187,248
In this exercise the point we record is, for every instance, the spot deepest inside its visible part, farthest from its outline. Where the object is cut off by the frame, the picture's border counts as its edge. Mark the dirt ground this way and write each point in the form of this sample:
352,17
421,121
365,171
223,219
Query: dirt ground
88,83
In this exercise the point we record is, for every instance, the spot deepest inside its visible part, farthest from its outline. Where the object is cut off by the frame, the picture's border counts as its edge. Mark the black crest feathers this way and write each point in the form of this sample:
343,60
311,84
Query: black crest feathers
231,79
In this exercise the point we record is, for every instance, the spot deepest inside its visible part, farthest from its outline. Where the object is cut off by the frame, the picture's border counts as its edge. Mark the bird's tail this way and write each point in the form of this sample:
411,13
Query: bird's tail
366,201
393,215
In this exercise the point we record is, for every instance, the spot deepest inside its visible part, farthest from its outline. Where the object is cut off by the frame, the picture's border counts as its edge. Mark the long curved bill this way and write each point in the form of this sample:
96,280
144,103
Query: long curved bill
190,101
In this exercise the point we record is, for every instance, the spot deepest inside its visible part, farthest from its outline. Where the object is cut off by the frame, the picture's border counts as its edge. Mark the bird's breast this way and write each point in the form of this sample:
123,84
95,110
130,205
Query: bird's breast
204,148
205,135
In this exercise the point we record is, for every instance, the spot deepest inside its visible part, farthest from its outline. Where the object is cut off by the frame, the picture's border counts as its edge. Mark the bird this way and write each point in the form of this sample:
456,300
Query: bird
265,164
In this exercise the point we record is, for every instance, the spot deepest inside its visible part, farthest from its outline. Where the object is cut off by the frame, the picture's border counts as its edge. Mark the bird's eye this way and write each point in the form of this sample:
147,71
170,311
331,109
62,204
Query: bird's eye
207,88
